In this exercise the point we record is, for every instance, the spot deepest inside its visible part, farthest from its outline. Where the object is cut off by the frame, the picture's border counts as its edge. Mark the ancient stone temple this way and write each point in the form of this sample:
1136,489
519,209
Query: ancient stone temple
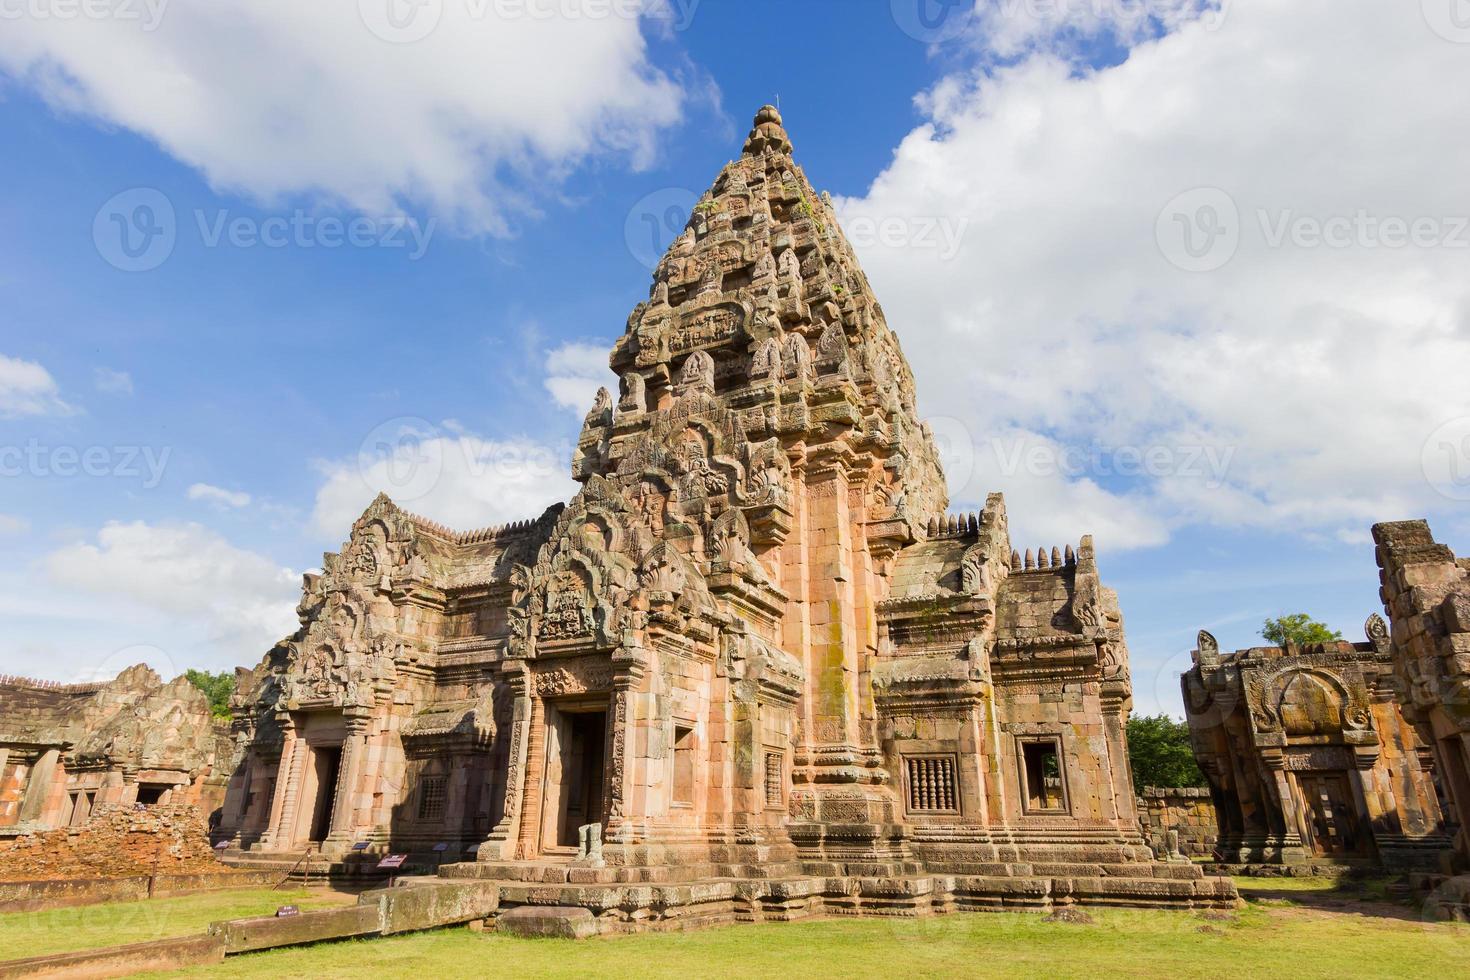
1426,593
1309,757
754,647
67,749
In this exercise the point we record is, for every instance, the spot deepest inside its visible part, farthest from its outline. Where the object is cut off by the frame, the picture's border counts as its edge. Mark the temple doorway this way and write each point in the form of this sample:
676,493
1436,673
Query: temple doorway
575,774
326,763
1331,815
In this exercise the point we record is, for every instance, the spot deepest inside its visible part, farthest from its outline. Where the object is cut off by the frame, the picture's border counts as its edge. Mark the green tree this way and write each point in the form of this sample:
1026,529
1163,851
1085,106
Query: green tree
1159,752
1298,628
216,687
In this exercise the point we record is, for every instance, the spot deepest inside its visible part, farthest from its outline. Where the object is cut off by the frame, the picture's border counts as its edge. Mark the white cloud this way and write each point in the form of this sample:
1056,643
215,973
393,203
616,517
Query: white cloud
1316,374
473,122
1009,28
218,496
170,576
27,388
574,372
10,524
445,473
112,382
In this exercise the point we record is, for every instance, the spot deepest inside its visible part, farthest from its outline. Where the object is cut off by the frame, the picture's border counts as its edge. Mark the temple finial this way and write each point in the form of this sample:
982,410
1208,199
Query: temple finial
767,131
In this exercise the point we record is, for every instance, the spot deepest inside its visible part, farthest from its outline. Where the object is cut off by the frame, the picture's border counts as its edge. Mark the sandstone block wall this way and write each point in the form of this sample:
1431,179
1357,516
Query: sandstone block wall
1187,810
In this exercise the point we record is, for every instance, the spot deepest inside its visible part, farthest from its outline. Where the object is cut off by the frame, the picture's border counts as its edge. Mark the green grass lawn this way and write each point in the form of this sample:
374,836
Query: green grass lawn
1318,933
89,926
1291,927
1248,886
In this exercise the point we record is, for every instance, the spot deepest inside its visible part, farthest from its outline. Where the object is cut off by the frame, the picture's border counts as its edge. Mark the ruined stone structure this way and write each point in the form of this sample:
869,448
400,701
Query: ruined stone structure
1309,757
753,647
66,749
1179,821
1426,593
118,840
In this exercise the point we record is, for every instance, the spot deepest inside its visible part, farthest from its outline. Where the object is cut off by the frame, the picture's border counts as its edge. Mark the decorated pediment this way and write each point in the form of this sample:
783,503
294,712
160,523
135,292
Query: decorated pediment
340,660
383,550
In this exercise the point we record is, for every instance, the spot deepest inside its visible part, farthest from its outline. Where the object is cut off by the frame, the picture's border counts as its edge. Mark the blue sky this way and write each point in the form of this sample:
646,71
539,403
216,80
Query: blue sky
1106,233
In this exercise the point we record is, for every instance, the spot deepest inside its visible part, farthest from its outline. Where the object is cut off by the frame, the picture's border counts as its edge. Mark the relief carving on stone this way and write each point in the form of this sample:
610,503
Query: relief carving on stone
579,676
796,359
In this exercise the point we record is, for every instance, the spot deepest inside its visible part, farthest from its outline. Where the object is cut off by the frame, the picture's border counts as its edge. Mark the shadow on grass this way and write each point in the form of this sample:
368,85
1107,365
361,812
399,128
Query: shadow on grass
1379,897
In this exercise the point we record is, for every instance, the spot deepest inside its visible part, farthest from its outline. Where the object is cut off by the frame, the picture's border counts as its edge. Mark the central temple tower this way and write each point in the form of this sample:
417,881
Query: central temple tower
752,646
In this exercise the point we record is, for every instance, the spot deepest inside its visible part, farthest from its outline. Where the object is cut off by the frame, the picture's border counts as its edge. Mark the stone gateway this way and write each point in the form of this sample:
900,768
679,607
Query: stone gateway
1309,756
753,657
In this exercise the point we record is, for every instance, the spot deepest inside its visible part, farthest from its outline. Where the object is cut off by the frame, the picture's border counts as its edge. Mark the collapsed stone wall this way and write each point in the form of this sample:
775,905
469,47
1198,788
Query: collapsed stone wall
119,841
1188,810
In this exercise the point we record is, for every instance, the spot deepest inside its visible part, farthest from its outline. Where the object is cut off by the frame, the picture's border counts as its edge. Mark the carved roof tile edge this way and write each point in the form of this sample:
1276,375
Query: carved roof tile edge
493,532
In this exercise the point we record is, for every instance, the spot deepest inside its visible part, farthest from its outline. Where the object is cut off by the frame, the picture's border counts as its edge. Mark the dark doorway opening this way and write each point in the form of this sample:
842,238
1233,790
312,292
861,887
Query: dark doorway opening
1331,816
150,793
327,761
582,747
1043,769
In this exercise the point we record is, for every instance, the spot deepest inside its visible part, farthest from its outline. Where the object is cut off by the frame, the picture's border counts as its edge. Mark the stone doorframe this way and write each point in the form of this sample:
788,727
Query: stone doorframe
289,809
557,715
517,834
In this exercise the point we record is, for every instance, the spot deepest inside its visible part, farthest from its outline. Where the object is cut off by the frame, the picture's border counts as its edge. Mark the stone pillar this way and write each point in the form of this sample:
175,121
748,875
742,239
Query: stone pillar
1291,811
1122,794
38,786
832,666
237,791
288,791
1373,794
626,803
257,818
344,799
528,839
500,844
